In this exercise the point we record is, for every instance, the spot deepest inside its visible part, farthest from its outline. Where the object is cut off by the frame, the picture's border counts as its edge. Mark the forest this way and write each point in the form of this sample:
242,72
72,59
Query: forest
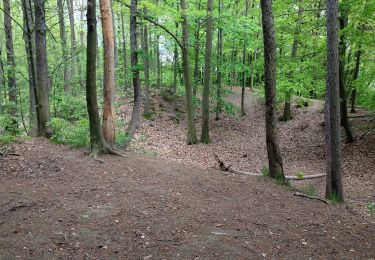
158,129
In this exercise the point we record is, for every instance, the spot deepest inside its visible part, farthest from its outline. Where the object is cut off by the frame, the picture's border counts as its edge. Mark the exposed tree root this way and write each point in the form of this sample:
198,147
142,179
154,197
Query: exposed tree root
310,197
229,168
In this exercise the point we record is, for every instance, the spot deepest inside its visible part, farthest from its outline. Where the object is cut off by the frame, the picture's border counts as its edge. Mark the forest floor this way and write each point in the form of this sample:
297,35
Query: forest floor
57,202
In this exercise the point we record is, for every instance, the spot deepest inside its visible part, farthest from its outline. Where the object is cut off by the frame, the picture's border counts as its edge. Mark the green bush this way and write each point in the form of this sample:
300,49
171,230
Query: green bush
7,139
229,107
75,133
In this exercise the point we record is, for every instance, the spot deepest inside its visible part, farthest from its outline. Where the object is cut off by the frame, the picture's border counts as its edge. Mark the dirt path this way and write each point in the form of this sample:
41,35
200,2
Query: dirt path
58,203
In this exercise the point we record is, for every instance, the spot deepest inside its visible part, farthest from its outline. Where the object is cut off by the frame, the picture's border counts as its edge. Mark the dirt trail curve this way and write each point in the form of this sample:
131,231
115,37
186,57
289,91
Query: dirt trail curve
58,203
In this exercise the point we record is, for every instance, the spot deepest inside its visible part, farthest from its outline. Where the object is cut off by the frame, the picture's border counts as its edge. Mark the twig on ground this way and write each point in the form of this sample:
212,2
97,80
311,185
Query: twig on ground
310,197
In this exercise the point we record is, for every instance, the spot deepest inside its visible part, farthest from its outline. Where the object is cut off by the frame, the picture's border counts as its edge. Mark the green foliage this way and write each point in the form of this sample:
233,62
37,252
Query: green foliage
121,137
300,175
265,172
371,208
310,190
68,107
7,139
229,107
334,198
75,133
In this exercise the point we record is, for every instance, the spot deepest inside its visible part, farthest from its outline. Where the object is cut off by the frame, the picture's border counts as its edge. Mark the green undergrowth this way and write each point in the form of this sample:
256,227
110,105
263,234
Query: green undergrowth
75,133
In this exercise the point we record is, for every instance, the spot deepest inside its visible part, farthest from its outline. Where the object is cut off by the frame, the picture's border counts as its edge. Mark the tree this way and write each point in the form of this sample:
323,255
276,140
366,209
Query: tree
11,67
109,73
60,9
146,66
205,137
191,132
135,74
42,79
75,61
219,65
124,55
273,151
334,189
244,67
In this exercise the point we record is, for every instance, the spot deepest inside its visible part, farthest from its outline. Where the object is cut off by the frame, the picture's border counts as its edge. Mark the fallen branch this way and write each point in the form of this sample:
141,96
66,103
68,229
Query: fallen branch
299,194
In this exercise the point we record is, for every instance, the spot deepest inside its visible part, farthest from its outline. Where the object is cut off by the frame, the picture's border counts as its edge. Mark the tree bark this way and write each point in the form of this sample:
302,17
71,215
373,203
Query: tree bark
205,137
334,189
11,70
196,52
124,56
244,68
29,48
42,79
75,61
146,67
97,142
135,69
287,115
274,155
191,132
109,73
2,82
60,9
342,82
355,77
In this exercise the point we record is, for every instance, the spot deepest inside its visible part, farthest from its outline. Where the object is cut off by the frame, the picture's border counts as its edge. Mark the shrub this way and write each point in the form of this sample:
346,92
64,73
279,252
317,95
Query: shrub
75,133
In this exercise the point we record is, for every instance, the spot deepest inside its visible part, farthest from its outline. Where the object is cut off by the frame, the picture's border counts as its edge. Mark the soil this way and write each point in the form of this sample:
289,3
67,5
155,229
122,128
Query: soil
57,202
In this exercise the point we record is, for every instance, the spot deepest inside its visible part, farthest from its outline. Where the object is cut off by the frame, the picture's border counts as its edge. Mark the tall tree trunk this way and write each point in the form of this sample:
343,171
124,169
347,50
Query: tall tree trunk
355,77
287,115
244,68
146,65
29,48
196,52
219,64
191,132
158,63
253,69
42,80
124,57
75,61
60,9
109,73
2,81
97,142
342,82
334,189
135,69
274,155
205,137
175,65
11,71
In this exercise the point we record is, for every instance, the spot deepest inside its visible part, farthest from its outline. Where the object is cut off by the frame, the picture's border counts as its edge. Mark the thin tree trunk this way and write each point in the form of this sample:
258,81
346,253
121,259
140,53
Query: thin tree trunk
252,69
355,77
274,155
244,68
29,48
60,9
146,65
125,60
136,79
205,137
196,52
75,61
2,82
175,65
108,126
342,82
11,71
334,189
287,115
191,132
158,63
98,145
219,64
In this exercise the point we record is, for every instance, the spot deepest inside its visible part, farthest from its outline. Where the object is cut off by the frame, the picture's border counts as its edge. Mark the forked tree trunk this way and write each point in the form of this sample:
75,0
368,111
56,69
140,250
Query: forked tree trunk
342,82
11,70
135,69
191,132
205,137
60,9
109,73
146,65
273,151
42,80
334,189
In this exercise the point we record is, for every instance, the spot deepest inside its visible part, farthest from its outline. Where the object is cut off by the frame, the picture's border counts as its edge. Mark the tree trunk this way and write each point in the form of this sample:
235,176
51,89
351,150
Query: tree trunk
2,82
355,77
175,65
11,70
75,61
334,189
219,64
158,63
42,80
29,48
244,68
60,9
109,73
146,65
135,69
342,82
274,155
205,137
196,52
288,95
98,145
125,60
191,132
